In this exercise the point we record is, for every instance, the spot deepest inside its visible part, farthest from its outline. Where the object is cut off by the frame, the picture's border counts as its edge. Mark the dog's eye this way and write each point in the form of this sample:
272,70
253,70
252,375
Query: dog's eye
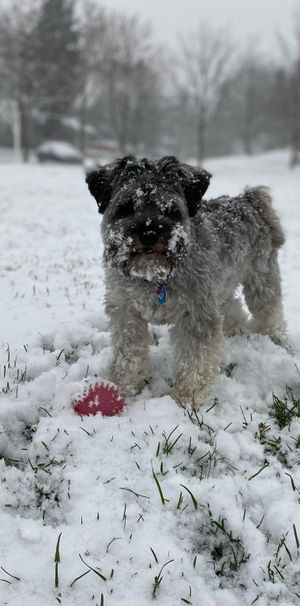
173,214
126,210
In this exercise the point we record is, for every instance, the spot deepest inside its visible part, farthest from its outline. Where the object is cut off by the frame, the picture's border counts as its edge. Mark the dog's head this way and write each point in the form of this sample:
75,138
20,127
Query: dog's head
147,208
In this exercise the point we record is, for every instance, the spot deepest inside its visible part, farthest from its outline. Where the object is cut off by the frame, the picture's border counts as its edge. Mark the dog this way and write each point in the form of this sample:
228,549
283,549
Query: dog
174,258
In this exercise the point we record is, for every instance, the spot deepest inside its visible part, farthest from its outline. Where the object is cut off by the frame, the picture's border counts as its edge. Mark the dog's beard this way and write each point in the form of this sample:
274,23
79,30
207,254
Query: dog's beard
154,264
152,267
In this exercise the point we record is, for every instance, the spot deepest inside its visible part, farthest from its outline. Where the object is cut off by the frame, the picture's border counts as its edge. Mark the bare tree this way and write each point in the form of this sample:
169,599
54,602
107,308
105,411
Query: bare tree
18,60
206,61
126,68
93,26
119,72
57,61
9,117
38,60
291,54
248,79
250,100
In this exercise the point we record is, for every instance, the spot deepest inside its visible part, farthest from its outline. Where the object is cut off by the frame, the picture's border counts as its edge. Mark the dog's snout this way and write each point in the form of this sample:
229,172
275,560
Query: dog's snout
148,236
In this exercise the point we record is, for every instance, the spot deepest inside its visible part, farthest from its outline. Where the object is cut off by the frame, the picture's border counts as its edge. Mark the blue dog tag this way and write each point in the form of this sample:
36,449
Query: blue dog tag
162,294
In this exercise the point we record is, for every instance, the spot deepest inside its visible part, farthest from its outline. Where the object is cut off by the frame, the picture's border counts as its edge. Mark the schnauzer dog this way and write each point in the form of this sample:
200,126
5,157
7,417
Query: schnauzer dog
173,258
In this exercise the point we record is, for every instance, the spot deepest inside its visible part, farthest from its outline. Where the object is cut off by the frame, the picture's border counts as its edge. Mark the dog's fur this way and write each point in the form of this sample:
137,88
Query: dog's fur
157,231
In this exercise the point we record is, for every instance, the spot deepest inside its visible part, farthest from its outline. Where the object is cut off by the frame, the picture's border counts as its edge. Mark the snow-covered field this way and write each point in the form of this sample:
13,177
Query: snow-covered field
159,505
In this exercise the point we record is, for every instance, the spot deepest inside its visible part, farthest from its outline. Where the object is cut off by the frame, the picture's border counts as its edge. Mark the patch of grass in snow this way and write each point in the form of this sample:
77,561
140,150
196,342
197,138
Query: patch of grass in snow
284,447
272,444
50,486
197,419
204,465
13,375
71,355
284,566
10,462
20,441
39,487
170,441
210,462
158,579
45,493
194,455
227,553
226,550
285,409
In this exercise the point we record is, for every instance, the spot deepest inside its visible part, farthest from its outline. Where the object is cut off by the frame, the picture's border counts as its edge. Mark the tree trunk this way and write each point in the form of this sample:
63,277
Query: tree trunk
201,137
295,120
295,139
295,142
16,130
24,130
123,123
248,127
52,126
249,110
82,118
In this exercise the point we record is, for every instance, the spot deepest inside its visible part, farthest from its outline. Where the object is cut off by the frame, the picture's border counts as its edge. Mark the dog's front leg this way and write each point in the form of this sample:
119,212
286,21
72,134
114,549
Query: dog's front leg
198,347
130,339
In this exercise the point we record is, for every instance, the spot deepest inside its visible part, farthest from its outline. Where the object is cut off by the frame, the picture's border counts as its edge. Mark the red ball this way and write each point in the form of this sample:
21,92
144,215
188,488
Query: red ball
100,397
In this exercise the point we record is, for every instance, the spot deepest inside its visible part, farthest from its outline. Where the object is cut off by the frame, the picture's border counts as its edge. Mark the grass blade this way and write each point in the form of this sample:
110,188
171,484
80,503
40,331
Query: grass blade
57,561
93,569
80,577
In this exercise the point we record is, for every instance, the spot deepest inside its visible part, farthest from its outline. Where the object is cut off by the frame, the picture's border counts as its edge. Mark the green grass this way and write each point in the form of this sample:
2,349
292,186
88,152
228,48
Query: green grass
158,579
57,562
227,553
285,409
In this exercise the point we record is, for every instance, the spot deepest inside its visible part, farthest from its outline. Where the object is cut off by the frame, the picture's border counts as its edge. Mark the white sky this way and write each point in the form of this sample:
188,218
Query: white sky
261,18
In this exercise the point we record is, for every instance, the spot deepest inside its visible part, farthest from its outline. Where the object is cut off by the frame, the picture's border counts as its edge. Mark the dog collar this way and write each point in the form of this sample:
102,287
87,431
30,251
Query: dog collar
162,293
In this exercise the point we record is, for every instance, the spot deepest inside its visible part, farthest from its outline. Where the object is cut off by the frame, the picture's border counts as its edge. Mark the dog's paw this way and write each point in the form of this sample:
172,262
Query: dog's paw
128,385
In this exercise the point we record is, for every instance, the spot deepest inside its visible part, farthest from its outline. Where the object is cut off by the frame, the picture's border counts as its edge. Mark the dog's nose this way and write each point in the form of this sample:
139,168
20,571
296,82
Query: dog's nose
148,236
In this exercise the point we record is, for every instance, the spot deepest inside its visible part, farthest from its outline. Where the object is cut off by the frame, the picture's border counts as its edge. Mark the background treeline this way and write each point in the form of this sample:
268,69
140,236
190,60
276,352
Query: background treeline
73,71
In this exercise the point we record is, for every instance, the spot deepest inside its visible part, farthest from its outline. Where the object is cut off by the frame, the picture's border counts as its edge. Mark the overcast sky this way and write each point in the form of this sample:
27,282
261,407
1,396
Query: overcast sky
260,18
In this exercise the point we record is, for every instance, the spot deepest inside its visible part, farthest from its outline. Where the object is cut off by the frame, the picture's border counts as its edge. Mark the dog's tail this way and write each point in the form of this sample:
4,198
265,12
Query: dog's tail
260,199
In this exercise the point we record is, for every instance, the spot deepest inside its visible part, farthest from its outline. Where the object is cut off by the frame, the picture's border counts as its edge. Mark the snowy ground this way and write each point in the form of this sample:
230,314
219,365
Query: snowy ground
159,505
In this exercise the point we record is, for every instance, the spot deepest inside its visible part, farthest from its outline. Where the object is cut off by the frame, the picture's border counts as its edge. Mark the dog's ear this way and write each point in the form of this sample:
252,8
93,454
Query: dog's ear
100,182
194,181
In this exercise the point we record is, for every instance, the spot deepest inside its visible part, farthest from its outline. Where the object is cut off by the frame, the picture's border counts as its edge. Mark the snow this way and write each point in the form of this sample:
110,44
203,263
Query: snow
178,235
213,497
